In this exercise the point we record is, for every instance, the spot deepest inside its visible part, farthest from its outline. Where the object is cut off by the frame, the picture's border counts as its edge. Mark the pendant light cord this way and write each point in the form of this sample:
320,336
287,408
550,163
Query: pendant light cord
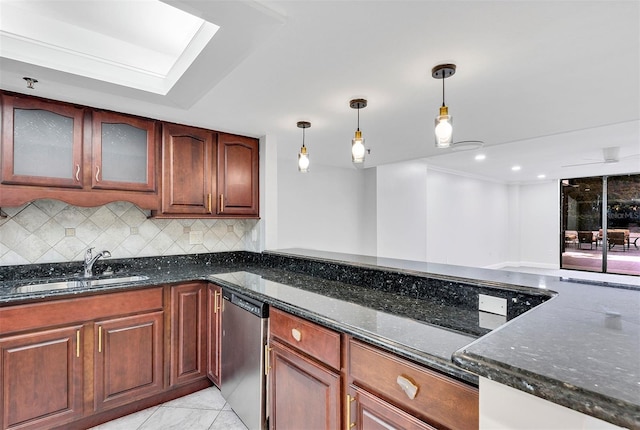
303,136
358,118
443,105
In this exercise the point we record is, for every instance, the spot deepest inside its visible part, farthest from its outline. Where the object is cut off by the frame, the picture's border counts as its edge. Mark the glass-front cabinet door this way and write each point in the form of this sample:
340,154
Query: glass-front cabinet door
41,143
123,152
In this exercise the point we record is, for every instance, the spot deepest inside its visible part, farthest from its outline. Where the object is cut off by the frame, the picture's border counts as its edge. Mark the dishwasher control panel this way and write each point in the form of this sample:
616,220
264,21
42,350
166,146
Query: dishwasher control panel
247,303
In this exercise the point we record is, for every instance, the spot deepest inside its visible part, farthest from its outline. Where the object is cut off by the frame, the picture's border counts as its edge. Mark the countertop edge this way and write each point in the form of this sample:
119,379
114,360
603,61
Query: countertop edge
615,411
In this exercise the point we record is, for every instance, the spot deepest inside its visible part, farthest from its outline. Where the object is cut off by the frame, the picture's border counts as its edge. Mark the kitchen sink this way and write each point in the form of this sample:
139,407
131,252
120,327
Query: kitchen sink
78,283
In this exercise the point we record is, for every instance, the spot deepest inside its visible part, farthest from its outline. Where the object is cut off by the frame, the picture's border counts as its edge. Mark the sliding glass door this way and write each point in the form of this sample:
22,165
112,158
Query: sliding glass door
623,229
600,218
582,224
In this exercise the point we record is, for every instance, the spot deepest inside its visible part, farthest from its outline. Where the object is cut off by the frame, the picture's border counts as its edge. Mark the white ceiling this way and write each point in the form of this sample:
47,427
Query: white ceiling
542,83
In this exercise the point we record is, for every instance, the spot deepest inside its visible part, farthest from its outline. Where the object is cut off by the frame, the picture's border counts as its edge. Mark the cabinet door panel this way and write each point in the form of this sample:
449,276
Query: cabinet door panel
128,359
41,378
188,341
368,412
303,394
41,143
123,152
238,175
188,160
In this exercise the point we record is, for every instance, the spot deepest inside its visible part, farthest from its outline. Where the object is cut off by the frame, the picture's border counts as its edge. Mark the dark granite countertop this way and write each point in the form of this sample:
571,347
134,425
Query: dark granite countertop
580,350
578,347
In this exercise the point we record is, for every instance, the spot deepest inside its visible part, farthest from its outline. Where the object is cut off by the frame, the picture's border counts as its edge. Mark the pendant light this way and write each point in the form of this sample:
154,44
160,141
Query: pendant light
357,143
303,156
444,121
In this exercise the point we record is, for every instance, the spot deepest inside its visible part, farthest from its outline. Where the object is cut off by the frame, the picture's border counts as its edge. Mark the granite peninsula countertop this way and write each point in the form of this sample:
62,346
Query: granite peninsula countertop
579,346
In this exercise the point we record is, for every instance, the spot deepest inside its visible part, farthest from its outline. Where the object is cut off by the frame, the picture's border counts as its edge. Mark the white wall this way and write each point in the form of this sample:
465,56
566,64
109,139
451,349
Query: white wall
321,209
402,211
539,225
413,211
467,220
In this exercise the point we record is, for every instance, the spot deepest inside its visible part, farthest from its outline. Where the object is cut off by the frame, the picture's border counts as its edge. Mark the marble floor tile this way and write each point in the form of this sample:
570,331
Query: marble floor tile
165,418
128,422
202,410
227,420
209,398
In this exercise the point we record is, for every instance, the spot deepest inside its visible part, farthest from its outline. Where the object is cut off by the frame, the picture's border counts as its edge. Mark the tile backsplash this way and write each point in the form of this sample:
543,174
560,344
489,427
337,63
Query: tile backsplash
47,231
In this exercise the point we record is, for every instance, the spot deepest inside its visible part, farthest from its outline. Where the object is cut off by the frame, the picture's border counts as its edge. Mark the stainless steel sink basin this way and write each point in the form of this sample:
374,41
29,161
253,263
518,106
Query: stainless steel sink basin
77,283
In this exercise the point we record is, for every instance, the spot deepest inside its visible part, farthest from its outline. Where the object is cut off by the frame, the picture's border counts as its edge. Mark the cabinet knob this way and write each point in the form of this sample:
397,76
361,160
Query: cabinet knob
297,335
409,388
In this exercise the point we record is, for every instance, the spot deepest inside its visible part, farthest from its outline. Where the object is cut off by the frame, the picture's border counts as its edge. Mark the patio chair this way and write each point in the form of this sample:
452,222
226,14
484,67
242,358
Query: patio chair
585,237
616,238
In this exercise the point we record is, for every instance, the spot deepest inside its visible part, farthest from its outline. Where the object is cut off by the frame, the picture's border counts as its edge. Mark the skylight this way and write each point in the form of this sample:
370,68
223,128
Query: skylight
143,44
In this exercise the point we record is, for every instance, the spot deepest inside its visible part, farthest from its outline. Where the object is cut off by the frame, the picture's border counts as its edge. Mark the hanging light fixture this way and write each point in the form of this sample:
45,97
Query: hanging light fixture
303,156
357,143
444,121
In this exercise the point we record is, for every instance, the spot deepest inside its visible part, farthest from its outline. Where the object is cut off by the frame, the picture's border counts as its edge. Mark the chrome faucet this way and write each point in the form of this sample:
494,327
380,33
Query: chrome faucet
90,259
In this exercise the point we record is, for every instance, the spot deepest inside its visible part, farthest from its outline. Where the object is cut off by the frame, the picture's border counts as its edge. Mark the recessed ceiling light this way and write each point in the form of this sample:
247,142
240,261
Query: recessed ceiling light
542,176
480,157
516,168
147,45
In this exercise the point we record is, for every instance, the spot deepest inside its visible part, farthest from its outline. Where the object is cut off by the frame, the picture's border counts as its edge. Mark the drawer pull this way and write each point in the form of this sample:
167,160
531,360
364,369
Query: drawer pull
296,334
407,386
350,424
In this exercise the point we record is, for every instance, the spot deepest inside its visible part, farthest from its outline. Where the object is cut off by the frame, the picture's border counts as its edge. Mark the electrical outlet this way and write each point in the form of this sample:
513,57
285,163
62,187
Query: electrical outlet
494,305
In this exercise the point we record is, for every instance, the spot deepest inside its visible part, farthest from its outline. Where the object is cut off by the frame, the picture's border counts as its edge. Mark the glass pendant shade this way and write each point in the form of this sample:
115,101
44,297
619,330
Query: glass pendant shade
303,160
444,128
357,148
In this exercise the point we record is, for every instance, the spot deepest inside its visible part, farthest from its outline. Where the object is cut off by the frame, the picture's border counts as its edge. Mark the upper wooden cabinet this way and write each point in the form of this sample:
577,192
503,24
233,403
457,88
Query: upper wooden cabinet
41,143
188,169
238,177
89,157
206,174
85,157
123,152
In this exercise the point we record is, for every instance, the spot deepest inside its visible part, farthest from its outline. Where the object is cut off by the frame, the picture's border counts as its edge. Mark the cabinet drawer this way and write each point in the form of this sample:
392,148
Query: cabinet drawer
438,399
318,342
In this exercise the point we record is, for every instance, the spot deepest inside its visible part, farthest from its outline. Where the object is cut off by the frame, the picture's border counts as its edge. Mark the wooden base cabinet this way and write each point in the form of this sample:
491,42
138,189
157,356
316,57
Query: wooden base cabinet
303,393
128,359
64,360
41,378
368,412
188,333
214,332
303,374
429,396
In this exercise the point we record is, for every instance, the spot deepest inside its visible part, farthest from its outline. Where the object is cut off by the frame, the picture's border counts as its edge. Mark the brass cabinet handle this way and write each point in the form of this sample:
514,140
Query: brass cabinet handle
267,365
216,305
297,334
221,202
100,339
77,172
97,173
349,423
409,388
209,202
77,343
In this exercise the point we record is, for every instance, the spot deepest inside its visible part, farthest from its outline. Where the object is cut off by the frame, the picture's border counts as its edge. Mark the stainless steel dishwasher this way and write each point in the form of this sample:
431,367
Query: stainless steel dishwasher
242,377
